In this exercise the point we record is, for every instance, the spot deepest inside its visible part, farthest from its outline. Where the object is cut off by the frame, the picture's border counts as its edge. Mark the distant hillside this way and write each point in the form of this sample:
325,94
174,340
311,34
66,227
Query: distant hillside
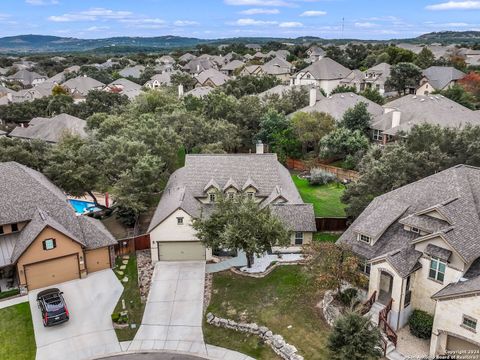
45,43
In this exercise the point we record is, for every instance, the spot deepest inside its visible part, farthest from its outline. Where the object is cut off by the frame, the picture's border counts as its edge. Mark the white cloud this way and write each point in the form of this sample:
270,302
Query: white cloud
42,2
290,24
97,28
365,25
311,13
91,15
258,3
256,11
186,23
455,5
252,22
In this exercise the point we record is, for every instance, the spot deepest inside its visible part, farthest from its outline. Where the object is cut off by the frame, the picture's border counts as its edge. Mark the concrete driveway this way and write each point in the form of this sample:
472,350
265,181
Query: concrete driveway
174,309
89,332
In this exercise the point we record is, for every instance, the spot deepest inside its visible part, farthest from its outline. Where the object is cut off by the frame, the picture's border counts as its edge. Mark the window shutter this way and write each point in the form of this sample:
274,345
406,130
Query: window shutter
44,245
54,243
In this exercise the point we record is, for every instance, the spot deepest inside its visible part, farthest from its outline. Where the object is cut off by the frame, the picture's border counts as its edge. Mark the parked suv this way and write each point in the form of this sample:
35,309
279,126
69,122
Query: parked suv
53,307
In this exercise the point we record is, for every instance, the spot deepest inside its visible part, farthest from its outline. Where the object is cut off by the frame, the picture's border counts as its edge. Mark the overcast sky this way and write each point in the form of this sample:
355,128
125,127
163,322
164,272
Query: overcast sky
363,19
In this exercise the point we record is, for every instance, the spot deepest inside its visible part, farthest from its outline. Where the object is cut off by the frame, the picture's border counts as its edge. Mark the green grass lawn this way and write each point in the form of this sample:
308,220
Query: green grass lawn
325,198
326,237
17,341
284,301
131,294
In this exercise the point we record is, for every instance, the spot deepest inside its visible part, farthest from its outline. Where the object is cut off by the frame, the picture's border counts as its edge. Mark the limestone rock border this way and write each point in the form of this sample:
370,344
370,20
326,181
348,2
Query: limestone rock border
276,342
269,269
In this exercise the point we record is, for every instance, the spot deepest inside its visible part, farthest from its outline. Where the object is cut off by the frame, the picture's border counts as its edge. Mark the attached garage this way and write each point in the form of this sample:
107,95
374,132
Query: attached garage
456,344
98,259
181,251
52,272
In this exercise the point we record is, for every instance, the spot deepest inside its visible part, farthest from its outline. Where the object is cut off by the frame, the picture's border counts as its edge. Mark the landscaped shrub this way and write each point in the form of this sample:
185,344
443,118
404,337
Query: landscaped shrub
348,296
421,324
115,317
320,177
9,293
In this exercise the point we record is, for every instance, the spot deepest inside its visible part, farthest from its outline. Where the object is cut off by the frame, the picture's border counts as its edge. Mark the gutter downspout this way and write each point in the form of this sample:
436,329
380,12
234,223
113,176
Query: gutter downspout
400,305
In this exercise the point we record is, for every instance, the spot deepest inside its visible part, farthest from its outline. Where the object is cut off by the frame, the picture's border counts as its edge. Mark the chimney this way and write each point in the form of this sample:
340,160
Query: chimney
313,96
259,147
396,116
198,68
291,81
180,90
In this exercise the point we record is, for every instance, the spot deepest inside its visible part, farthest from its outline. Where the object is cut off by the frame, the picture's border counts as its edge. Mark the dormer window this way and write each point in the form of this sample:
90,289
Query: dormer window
250,194
179,220
415,230
212,197
364,238
14,227
231,195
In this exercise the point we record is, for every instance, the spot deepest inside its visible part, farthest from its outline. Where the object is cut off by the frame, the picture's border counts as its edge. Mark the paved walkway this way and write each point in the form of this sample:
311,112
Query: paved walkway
14,301
239,261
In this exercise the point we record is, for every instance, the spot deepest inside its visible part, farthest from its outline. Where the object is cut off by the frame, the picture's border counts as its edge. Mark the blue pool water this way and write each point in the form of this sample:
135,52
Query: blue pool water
82,207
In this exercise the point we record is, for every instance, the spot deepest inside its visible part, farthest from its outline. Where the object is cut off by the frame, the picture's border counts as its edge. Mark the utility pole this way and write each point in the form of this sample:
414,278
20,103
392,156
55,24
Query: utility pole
343,25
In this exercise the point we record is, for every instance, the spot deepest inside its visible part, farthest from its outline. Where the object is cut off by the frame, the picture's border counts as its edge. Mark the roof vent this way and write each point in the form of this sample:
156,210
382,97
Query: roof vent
422,100
342,96
414,97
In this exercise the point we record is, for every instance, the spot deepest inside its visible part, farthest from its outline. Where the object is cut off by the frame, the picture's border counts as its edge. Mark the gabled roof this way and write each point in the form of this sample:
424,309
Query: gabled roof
295,217
336,105
230,184
326,69
28,196
212,184
405,261
215,76
249,183
187,184
200,91
440,76
51,129
132,71
233,65
461,183
82,84
26,76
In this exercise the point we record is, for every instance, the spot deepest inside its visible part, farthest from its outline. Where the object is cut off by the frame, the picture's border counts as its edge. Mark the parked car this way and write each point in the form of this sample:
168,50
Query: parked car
53,307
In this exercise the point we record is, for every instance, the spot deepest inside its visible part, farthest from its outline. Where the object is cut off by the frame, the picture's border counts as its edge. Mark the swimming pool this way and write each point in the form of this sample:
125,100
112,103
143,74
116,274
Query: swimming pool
82,206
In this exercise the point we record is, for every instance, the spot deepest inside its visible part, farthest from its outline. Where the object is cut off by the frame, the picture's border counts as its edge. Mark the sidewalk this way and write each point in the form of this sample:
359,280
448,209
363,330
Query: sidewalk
14,301
239,261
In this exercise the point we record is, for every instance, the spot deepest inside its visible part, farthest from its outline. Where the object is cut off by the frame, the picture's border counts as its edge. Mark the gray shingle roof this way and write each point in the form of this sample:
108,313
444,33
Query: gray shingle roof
215,76
132,71
441,76
438,252
200,91
336,105
326,69
295,217
455,192
416,110
460,288
26,77
82,84
27,195
233,65
51,129
405,261
188,183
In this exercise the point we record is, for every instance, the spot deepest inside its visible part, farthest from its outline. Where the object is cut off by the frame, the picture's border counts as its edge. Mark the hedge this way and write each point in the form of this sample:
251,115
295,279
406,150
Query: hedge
421,323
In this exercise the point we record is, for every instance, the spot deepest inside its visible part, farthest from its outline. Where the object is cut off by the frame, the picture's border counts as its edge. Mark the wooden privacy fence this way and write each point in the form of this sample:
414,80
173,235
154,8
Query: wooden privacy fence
341,174
130,245
331,223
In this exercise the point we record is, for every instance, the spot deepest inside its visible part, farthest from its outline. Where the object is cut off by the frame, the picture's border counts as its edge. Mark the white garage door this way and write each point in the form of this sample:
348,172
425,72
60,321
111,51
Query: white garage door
455,344
181,251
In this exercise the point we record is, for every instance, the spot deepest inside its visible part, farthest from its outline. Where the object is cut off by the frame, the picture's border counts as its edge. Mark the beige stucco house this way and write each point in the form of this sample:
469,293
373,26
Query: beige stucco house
421,246
192,191
42,240
438,78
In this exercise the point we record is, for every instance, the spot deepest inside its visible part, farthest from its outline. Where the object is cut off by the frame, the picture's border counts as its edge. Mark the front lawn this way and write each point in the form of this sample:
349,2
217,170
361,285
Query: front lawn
326,237
17,340
131,295
325,198
284,301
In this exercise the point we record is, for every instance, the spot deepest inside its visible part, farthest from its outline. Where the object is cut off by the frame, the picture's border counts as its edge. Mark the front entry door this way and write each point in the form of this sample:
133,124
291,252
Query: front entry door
386,285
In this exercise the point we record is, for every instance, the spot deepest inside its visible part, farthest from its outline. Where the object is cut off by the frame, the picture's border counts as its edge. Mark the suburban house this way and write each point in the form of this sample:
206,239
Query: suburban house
421,248
51,130
124,87
165,59
324,73
199,92
197,65
252,70
42,240
186,57
315,53
376,77
255,47
438,78
80,86
404,113
212,78
337,104
192,191
230,68
132,71
279,68
27,78
159,80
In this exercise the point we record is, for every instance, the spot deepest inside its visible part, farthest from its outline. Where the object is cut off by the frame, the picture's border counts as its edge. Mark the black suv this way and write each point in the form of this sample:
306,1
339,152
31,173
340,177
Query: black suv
53,307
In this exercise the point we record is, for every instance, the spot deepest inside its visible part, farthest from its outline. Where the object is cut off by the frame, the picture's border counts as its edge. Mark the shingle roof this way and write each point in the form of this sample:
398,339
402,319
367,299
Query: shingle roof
26,77
405,261
27,195
132,71
233,65
336,105
326,69
51,129
215,76
82,84
417,109
441,76
200,91
460,288
455,191
438,252
295,217
188,183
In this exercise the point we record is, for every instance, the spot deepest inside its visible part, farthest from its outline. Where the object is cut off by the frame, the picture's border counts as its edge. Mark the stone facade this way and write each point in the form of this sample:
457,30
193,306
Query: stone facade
276,342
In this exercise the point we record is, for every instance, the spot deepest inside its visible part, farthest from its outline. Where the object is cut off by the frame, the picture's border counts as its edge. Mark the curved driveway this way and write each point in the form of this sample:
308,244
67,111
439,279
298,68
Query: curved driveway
154,356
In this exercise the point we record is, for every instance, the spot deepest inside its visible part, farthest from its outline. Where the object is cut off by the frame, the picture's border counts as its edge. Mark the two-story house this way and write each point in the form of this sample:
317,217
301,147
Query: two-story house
42,240
193,190
421,246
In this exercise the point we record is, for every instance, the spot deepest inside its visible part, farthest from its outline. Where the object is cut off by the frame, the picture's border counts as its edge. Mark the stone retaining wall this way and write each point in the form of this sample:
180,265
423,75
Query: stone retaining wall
269,270
276,342
330,312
